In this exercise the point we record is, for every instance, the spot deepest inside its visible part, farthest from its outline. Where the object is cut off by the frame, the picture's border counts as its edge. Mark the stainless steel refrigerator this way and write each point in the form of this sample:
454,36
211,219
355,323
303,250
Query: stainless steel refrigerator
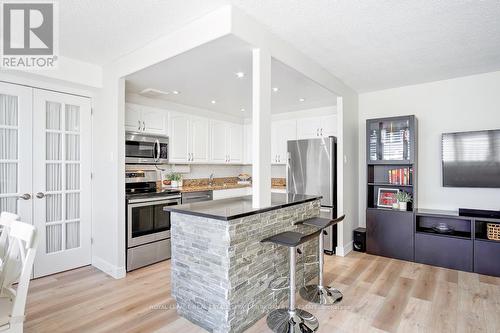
312,169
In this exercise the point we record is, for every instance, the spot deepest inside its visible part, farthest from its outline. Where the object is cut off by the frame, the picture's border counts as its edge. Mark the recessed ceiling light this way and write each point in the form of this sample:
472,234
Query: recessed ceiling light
175,92
242,109
240,75
275,89
213,101
302,99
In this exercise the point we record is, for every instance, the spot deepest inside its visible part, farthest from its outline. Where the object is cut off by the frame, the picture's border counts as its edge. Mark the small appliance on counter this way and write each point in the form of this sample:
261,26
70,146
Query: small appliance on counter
244,179
148,225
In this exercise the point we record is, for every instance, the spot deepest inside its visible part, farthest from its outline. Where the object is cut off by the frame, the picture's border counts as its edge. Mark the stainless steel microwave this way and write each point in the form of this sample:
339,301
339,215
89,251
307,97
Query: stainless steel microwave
143,148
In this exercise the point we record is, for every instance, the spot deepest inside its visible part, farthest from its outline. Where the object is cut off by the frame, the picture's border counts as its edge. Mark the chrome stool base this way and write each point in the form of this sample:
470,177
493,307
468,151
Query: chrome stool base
300,321
320,295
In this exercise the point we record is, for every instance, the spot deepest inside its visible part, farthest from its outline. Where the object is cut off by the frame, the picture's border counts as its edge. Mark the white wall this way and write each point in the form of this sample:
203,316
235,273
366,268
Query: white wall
461,104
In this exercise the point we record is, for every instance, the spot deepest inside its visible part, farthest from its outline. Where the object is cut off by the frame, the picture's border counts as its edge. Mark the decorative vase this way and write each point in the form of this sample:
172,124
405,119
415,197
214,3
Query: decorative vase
403,206
395,205
174,183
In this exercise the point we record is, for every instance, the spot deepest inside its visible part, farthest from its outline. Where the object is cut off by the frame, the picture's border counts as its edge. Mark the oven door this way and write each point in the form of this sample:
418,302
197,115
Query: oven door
147,221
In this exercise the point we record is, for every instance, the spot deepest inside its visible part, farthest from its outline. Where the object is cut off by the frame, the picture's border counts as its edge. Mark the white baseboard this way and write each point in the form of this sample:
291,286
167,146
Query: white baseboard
108,268
343,251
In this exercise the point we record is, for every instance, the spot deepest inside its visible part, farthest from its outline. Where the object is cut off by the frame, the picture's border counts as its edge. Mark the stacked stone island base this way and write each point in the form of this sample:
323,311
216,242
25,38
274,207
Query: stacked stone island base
220,270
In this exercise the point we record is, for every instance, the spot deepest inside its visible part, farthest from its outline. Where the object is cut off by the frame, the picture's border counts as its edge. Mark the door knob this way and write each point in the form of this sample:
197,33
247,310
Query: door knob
40,195
25,196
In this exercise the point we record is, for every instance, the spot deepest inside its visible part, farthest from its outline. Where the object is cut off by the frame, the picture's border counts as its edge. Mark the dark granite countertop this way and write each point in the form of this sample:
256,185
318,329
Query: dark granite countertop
233,208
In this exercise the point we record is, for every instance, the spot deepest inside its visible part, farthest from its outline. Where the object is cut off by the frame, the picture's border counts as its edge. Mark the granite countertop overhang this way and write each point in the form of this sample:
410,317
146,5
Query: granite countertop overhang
234,208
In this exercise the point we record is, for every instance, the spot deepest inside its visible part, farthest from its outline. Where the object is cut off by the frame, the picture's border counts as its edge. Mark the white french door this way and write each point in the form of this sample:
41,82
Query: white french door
15,159
51,185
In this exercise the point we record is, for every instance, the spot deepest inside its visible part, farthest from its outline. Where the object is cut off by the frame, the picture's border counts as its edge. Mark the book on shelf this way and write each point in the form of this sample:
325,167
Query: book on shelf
401,176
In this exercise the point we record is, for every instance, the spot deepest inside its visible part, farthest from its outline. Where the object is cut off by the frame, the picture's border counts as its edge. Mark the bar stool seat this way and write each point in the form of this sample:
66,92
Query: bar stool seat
291,319
318,293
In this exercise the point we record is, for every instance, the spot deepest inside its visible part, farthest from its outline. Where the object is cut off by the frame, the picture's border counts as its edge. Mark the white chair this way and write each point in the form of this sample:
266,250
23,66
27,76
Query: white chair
17,268
5,221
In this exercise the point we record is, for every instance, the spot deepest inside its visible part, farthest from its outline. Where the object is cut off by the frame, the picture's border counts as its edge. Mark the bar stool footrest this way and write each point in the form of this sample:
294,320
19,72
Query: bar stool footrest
320,295
279,284
298,321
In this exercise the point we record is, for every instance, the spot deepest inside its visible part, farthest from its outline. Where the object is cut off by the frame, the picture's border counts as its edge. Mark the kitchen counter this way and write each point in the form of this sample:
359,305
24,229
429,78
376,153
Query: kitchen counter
221,270
217,187
234,208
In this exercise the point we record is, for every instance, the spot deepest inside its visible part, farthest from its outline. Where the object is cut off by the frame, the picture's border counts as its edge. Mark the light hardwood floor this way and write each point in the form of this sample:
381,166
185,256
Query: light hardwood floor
380,294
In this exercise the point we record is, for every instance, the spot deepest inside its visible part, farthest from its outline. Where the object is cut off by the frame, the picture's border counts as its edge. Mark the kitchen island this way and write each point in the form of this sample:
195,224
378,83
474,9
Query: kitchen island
220,270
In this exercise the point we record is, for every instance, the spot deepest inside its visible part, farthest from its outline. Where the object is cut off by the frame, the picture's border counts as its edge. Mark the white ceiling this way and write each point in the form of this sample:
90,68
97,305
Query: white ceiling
369,44
208,73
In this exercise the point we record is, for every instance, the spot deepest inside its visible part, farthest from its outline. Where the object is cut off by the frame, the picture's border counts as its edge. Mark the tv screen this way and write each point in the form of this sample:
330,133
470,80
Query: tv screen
471,159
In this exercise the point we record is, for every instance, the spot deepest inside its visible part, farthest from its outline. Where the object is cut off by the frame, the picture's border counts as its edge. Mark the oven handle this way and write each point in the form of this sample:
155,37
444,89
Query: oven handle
153,200
157,148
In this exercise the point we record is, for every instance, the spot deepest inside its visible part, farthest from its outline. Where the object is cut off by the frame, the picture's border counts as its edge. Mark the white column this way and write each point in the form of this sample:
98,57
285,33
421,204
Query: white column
261,128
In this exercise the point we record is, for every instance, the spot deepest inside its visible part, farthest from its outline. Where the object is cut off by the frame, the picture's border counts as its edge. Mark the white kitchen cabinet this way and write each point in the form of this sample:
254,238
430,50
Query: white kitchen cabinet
226,143
231,193
188,139
179,138
314,127
199,140
247,144
139,118
234,137
281,132
218,145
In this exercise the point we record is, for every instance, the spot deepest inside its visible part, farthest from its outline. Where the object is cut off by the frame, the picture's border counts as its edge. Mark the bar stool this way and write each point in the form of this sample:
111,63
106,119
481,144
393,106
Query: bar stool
318,293
291,319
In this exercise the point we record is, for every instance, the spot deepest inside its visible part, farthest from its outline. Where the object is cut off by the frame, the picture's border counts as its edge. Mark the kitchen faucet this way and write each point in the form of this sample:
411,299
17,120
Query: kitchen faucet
211,179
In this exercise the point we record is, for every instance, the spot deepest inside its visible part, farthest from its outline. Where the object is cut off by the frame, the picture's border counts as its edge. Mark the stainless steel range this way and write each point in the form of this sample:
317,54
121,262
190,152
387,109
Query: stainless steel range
148,225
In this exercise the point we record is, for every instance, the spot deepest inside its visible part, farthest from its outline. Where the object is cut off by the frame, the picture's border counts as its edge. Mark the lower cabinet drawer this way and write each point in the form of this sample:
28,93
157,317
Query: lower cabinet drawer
487,257
442,251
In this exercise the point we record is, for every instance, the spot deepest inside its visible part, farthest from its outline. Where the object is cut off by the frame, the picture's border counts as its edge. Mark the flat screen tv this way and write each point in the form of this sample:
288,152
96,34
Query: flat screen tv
471,159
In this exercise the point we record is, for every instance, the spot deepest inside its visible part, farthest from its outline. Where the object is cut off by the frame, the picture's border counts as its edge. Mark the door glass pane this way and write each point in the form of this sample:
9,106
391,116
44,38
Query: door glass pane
162,218
142,221
53,207
72,235
8,178
53,115
54,238
72,147
72,176
389,140
53,151
53,177
8,205
8,144
72,118
8,110
72,206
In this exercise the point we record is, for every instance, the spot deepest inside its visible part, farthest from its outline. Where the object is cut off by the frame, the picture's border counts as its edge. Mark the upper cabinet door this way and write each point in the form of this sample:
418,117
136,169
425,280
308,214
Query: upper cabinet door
199,146
247,144
235,140
133,118
218,142
154,121
328,125
179,138
285,130
308,128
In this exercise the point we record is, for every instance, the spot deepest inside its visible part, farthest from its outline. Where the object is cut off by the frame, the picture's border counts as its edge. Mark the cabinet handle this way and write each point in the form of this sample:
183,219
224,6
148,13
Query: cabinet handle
279,158
321,131
40,195
317,131
143,126
139,127
192,157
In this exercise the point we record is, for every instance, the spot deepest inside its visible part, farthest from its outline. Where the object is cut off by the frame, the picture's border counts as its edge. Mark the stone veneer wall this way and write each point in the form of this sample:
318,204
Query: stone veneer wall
221,271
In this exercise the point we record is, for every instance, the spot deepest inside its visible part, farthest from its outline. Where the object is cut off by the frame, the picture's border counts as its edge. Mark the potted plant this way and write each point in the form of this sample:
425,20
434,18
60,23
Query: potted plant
175,179
403,199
